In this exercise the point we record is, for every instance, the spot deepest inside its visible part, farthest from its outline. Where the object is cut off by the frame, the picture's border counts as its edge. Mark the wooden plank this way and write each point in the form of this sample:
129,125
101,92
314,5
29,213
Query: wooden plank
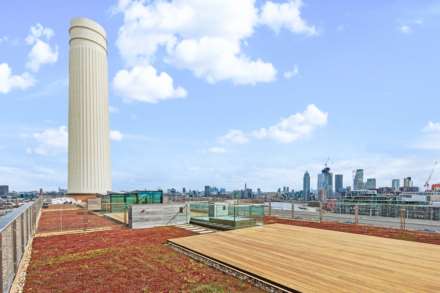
315,260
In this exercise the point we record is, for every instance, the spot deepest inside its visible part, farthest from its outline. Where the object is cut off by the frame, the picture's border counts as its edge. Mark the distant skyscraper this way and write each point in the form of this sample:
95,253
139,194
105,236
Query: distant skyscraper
358,182
395,184
371,183
4,189
407,182
339,183
207,190
306,186
89,170
325,184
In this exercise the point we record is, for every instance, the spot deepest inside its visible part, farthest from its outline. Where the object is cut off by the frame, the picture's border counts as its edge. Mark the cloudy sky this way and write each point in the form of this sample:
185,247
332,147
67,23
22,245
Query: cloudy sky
224,92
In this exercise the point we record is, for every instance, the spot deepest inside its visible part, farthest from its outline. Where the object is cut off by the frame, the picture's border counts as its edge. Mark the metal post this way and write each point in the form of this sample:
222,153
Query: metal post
402,219
1,262
320,211
14,245
22,233
293,210
270,207
30,224
356,214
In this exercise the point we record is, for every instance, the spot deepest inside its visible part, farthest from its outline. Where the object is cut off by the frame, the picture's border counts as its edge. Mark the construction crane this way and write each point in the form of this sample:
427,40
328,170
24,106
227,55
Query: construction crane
326,162
430,176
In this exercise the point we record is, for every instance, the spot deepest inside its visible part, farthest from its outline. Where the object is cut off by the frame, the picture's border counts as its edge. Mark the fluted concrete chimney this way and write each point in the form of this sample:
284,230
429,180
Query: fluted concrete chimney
89,167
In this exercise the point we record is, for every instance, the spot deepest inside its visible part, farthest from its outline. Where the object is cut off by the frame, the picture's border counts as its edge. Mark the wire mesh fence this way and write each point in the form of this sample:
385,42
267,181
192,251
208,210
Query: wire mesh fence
61,218
16,229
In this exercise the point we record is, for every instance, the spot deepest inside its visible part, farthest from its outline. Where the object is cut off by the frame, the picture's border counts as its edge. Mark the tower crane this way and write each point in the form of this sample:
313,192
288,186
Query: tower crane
326,162
430,176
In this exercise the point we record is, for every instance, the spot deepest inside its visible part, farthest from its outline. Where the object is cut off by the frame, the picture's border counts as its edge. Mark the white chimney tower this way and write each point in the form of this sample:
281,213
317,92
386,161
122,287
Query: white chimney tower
89,166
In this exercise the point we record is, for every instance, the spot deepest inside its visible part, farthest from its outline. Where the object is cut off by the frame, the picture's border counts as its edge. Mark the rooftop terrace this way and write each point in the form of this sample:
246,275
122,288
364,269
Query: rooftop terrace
75,250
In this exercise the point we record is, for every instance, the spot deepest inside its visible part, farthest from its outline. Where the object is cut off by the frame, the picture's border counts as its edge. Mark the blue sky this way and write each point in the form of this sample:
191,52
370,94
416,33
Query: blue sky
228,92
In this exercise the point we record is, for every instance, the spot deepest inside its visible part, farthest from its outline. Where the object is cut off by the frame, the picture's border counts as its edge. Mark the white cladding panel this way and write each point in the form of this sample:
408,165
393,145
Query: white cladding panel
89,169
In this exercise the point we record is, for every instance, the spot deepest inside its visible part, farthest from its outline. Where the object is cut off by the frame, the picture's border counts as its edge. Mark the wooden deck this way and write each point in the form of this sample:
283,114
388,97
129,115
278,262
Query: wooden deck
314,260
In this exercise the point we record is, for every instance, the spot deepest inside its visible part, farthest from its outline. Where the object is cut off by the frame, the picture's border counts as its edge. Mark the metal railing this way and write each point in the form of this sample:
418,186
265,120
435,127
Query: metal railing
405,217
16,229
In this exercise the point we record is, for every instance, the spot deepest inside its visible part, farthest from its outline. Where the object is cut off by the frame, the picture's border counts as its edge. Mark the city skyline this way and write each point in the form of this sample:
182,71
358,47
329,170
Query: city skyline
307,92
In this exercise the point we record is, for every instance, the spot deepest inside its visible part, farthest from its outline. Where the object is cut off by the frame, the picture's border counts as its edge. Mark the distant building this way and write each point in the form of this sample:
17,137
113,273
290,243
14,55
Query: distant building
306,186
407,182
184,190
395,184
207,190
386,190
370,184
4,189
339,183
409,189
247,193
325,184
435,187
358,182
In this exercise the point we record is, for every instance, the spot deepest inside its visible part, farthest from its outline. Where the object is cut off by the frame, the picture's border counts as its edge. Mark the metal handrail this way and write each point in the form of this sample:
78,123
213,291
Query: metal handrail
10,217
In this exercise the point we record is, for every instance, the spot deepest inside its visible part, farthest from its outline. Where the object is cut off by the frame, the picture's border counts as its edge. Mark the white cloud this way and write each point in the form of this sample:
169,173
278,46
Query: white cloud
286,15
28,177
204,37
3,39
217,150
149,25
430,139
405,29
291,73
50,141
290,129
116,135
234,136
216,59
432,127
113,109
37,32
41,52
9,82
295,126
143,83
